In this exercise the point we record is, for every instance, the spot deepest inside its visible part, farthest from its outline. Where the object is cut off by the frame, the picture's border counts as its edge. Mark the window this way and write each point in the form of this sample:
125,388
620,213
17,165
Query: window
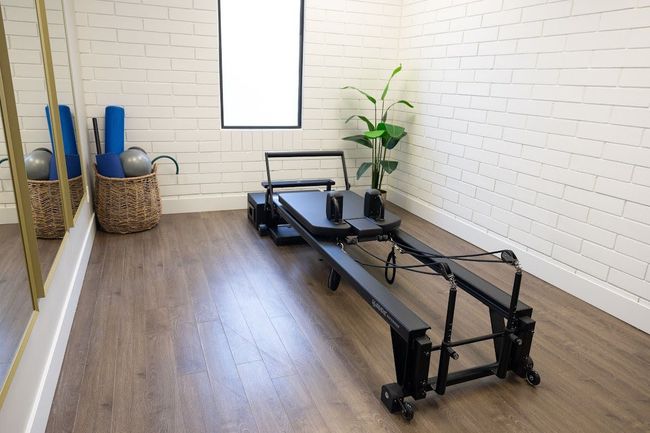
260,62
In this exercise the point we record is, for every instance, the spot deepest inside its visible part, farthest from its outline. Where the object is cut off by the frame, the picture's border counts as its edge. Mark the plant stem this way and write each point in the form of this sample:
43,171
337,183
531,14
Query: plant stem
381,177
381,168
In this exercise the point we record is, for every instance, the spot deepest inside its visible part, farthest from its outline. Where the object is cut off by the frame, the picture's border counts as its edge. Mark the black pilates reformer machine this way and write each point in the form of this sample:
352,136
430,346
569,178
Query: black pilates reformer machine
332,222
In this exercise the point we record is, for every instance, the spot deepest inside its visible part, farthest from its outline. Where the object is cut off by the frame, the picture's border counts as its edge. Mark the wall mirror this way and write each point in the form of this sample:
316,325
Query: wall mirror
32,76
65,95
16,301
19,274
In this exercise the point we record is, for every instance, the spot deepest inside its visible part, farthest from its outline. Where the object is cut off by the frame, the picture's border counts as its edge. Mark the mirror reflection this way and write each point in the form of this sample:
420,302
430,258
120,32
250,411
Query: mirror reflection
65,95
26,61
15,296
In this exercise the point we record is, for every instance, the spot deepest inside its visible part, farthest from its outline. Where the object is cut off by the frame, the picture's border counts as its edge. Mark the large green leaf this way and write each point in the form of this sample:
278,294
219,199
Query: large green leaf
370,98
391,142
361,139
393,130
389,166
395,71
371,127
374,134
362,169
401,101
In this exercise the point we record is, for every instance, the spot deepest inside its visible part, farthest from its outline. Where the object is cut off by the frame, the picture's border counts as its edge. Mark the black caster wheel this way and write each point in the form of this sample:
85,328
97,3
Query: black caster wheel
390,270
408,411
263,229
333,280
533,378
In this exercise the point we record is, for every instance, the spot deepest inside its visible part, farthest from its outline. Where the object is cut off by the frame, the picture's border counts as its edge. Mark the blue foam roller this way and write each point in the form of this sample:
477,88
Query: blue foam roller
54,175
73,164
73,167
114,127
67,129
109,165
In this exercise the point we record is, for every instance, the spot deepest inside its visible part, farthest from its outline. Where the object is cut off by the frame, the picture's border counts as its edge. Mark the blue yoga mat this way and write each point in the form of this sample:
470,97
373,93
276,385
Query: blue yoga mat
73,166
109,165
67,129
114,127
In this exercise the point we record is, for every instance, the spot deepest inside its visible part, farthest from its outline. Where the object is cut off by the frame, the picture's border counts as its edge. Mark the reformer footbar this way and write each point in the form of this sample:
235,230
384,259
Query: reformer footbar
350,221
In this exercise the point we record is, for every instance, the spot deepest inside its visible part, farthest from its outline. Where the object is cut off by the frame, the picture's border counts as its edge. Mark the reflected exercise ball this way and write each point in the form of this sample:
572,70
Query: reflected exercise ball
37,164
135,163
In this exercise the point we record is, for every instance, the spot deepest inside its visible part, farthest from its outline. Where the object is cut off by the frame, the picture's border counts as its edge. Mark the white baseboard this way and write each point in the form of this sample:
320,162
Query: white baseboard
609,299
207,204
50,379
203,204
8,215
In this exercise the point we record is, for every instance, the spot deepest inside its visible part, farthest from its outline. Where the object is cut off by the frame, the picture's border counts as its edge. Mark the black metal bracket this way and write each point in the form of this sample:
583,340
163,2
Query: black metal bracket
269,185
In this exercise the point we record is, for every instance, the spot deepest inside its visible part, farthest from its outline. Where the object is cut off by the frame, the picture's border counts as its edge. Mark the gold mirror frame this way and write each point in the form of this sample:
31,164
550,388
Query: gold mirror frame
67,202
50,82
21,192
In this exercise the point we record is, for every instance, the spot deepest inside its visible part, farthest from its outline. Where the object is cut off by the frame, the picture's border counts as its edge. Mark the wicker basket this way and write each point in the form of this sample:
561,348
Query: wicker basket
127,205
45,198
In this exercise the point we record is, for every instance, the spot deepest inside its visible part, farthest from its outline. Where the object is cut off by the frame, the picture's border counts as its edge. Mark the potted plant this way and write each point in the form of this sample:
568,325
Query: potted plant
380,137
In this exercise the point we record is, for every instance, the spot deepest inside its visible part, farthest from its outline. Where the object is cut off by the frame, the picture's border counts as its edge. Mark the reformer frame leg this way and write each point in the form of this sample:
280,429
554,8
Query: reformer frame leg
498,325
333,280
446,351
411,359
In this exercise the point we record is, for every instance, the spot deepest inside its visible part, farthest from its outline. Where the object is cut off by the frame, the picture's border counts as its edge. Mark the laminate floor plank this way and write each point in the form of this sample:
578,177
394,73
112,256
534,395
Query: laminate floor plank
231,405
268,411
130,376
64,409
95,410
197,404
332,399
201,325
270,347
299,406
276,359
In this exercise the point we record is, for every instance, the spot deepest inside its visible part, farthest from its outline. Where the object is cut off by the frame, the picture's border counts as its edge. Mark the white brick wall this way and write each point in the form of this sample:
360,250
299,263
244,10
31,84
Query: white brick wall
159,59
555,153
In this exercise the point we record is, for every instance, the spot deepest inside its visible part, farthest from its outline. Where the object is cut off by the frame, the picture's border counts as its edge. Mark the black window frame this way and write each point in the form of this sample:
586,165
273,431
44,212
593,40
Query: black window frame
300,72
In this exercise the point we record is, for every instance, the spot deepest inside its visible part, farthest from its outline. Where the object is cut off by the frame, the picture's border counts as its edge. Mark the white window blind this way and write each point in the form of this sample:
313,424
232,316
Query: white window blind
260,63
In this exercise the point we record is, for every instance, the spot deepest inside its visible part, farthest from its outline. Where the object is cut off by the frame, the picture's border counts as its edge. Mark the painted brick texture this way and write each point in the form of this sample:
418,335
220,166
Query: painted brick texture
532,120
159,59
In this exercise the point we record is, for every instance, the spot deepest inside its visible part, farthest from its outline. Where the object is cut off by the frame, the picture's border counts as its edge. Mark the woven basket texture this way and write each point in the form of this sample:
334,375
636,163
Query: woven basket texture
47,213
127,205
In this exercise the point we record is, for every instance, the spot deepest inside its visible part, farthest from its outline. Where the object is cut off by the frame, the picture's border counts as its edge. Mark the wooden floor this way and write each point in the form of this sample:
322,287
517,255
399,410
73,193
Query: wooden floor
202,326
15,296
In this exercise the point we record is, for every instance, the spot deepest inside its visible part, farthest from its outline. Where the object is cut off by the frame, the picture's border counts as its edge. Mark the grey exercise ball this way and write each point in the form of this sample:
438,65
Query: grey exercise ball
135,163
37,164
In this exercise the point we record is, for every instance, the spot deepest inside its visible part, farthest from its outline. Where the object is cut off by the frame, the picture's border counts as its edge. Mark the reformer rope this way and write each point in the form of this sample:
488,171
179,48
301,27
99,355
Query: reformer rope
462,257
411,268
